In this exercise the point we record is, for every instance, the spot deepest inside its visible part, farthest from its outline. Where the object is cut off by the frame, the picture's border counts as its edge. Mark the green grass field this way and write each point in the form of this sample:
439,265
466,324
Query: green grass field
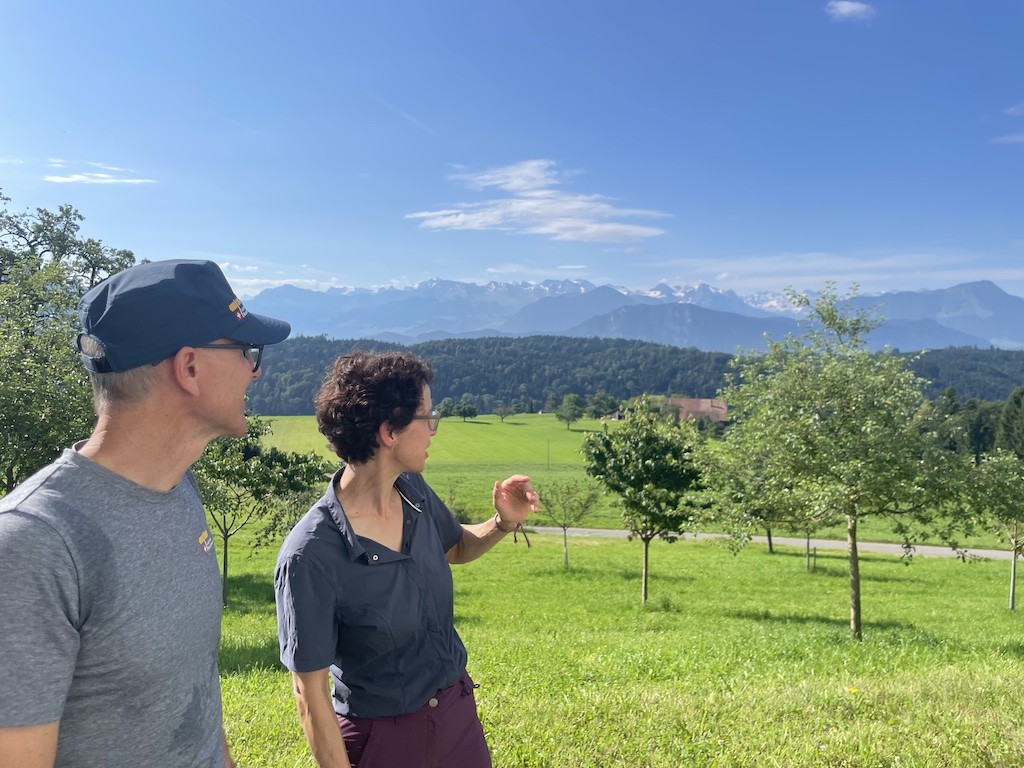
736,661
466,457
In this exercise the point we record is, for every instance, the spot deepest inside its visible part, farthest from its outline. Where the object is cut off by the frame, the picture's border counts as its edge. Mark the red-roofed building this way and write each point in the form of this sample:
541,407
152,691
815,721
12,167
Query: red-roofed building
700,408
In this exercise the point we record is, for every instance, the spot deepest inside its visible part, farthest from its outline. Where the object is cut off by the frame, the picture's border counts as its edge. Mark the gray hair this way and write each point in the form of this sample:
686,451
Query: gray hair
111,390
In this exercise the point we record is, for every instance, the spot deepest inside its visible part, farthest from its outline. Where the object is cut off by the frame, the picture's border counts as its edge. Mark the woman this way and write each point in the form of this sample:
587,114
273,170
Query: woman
364,587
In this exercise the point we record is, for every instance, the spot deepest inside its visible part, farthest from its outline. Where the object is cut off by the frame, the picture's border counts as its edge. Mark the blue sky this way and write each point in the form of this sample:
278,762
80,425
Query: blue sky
751,145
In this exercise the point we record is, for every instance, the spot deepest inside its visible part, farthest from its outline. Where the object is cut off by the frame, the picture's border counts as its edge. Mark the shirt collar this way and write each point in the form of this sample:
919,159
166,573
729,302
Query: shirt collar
354,549
410,492
352,546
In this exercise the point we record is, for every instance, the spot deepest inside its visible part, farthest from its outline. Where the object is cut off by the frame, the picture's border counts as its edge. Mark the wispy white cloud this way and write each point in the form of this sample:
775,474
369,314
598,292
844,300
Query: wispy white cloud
1017,110
94,178
229,266
511,271
10,161
535,207
112,168
1013,138
249,278
405,115
508,269
84,173
246,288
848,10
525,177
873,272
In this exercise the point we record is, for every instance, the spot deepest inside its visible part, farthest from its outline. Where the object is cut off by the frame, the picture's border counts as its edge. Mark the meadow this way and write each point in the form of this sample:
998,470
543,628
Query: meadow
736,660
466,457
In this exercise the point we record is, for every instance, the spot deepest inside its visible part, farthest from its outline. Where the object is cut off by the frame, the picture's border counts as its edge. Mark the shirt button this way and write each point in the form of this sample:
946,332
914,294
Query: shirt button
376,558
432,702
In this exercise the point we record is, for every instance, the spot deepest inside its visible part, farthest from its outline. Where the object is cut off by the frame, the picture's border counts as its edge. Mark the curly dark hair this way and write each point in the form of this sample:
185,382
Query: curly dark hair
362,391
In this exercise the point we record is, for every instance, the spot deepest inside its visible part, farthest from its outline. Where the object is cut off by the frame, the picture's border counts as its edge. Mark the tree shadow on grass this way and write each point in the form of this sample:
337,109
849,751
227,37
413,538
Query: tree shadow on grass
778,617
1013,649
837,565
465,619
588,573
240,657
250,593
655,576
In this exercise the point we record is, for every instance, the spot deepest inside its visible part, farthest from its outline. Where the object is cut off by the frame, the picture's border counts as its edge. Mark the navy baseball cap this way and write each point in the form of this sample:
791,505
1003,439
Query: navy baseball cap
148,312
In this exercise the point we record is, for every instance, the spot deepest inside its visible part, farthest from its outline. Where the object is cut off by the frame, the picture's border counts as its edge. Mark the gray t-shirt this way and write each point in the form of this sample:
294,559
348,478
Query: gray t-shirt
110,610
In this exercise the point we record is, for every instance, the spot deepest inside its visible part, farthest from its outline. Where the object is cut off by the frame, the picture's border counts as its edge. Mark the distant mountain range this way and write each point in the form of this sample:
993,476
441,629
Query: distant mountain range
977,314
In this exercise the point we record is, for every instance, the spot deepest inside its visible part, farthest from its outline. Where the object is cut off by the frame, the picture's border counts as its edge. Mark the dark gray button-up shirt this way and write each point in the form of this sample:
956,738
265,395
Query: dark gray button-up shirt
381,620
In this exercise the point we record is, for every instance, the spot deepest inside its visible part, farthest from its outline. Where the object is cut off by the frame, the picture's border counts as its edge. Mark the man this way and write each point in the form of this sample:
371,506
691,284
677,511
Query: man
110,599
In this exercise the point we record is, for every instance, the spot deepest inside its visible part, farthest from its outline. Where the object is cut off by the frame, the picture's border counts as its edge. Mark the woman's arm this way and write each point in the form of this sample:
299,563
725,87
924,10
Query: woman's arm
320,724
514,499
228,760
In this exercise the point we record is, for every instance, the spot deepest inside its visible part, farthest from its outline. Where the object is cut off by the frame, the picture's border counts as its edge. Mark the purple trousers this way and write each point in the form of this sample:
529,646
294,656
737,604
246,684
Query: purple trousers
443,733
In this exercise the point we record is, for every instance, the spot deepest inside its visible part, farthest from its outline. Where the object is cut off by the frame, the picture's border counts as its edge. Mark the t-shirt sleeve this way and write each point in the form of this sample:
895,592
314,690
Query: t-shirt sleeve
306,629
39,619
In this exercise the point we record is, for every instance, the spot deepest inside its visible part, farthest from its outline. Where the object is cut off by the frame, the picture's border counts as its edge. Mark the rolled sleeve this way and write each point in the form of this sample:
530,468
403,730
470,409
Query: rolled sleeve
306,626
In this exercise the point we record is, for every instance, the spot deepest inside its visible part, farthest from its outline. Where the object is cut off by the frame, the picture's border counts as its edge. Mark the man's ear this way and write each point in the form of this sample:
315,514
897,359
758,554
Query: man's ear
185,370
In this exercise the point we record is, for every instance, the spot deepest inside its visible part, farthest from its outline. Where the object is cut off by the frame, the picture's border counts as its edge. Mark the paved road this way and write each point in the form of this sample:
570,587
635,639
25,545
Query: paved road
820,544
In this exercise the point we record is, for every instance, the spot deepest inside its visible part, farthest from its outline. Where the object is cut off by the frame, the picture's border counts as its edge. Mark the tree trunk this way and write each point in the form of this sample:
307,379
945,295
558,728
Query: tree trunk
565,548
851,544
643,586
1013,578
1015,546
771,548
224,571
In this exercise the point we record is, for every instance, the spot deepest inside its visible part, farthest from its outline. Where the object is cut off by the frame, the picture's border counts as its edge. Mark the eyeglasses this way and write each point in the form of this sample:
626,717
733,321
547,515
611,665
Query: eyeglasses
433,419
252,352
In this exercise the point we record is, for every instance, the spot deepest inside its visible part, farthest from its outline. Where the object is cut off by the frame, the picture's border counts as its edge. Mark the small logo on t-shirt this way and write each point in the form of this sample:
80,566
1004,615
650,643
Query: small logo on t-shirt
205,541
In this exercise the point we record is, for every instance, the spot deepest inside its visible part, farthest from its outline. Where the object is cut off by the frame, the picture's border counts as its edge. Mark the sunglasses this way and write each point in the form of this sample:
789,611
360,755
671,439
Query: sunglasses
252,352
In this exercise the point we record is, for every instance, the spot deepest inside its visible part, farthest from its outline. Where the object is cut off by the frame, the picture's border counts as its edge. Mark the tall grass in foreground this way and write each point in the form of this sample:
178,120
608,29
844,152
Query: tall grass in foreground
736,661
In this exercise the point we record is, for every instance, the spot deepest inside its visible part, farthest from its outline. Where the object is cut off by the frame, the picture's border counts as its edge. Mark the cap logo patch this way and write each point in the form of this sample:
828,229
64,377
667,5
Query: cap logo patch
238,308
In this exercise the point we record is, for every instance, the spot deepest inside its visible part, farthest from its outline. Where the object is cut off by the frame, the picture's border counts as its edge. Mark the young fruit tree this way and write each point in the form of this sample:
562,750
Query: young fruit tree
735,493
651,464
241,481
566,504
996,493
839,431
570,410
